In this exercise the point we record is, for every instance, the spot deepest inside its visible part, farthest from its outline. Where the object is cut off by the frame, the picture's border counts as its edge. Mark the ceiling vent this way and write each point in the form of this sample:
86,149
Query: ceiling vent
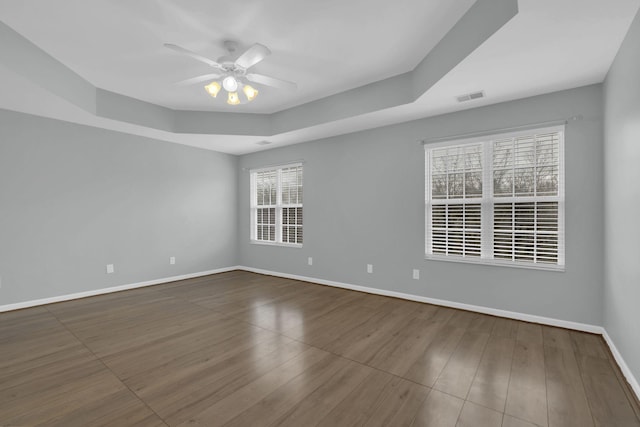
471,96
263,142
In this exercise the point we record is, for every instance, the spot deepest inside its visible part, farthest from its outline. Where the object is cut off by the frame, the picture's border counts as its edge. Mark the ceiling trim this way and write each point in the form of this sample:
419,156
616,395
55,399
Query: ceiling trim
31,62
480,22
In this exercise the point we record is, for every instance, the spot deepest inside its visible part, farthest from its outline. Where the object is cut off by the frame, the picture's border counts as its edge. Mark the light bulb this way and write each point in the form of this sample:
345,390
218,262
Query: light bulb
213,88
250,92
230,84
233,98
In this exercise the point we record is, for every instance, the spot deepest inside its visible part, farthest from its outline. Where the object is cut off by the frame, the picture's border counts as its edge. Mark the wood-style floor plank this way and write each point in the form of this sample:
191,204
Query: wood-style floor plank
473,415
505,328
527,393
356,408
566,397
491,382
186,392
398,404
427,368
287,399
438,410
292,315
588,345
458,374
363,342
242,348
405,346
328,327
171,350
482,323
117,409
234,404
509,421
325,397
608,402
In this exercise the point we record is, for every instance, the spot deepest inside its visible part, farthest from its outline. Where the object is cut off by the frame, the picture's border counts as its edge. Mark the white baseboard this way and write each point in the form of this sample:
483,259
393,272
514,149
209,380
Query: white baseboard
43,301
631,379
476,308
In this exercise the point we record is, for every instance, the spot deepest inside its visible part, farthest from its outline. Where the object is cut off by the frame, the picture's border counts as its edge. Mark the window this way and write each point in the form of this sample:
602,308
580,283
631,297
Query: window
276,205
497,199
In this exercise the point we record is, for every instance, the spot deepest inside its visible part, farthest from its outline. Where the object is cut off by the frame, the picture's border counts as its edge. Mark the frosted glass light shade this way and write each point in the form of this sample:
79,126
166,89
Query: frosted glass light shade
250,92
213,88
233,98
230,84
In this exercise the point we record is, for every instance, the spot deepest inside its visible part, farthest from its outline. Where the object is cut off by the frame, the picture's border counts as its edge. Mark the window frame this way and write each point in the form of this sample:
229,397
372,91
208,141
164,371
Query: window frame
489,200
279,206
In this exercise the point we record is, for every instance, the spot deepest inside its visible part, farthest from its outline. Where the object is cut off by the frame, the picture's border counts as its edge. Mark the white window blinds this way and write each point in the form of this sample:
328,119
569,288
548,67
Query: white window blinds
266,186
276,205
498,199
291,190
456,192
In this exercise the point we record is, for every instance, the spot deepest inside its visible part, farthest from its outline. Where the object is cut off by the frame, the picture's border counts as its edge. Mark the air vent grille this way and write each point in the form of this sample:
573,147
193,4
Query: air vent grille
470,96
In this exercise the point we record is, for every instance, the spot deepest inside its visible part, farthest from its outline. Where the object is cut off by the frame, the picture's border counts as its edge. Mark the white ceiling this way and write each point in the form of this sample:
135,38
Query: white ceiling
549,46
326,46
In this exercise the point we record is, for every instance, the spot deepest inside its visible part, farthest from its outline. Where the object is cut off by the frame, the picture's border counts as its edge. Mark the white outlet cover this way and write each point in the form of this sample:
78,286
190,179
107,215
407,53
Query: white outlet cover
110,268
369,268
416,273
172,260
310,261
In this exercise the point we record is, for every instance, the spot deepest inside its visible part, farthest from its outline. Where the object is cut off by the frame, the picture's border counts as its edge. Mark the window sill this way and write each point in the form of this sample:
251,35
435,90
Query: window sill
286,245
496,263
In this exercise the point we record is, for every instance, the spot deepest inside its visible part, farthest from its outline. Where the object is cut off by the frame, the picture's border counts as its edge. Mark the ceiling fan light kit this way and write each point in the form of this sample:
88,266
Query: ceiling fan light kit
230,84
231,75
250,92
213,88
233,98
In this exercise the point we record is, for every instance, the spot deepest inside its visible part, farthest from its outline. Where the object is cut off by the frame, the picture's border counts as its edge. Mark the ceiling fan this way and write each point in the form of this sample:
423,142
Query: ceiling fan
231,74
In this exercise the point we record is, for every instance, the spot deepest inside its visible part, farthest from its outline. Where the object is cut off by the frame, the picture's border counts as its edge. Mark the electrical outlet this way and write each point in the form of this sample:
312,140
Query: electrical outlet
369,268
310,261
172,260
416,273
110,268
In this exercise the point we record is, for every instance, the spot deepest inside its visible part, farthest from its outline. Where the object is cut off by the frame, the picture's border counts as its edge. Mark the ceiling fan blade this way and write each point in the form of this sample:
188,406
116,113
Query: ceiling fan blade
271,81
199,79
194,55
253,55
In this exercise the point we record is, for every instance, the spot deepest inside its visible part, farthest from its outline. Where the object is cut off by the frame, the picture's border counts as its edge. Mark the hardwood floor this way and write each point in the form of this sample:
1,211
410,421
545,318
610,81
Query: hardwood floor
242,349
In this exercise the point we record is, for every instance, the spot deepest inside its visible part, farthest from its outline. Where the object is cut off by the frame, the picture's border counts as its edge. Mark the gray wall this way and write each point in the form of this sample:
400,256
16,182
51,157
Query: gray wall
622,199
75,198
364,203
